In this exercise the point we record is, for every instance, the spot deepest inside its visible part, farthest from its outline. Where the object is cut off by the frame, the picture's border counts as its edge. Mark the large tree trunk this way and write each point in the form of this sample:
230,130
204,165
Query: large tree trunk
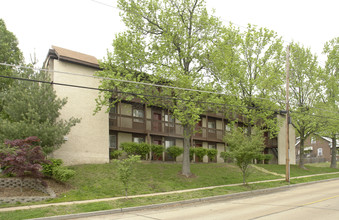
301,158
334,152
186,169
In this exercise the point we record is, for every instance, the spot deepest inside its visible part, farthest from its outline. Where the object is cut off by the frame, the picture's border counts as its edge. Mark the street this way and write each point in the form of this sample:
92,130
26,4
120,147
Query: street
314,201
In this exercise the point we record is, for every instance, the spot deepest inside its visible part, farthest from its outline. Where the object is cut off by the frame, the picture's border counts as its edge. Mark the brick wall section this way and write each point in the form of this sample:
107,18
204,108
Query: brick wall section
30,183
320,143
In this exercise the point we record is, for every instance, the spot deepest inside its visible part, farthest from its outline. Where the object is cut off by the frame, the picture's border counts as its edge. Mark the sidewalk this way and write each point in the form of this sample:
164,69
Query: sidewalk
146,195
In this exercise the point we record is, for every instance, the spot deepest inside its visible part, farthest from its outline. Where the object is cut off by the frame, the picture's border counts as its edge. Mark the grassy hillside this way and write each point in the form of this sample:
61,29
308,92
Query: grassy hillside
99,181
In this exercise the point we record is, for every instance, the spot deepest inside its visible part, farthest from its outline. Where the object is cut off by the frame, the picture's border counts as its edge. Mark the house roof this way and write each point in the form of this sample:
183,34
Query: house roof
329,140
73,56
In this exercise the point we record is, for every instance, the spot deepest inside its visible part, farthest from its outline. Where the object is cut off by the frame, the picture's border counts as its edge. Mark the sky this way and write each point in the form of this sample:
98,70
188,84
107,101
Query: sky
89,26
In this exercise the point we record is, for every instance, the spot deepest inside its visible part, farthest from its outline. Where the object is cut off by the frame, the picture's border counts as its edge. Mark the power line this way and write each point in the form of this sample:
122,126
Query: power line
134,82
158,97
141,83
102,3
131,93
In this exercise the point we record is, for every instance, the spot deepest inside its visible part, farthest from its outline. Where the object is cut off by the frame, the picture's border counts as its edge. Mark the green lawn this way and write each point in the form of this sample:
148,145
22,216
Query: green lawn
100,181
296,171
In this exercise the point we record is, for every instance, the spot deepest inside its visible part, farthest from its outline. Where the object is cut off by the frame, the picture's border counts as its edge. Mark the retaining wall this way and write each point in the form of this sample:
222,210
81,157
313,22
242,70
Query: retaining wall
27,182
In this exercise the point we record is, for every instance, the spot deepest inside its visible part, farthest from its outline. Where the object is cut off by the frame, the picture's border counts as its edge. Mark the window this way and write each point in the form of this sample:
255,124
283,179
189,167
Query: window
320,152
138,115
169,143
138,140
112,141
212,146
169,120
113,112
211,124
313,140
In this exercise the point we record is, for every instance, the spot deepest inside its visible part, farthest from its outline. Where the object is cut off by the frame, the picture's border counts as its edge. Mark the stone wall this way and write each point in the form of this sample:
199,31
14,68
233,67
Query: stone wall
29,183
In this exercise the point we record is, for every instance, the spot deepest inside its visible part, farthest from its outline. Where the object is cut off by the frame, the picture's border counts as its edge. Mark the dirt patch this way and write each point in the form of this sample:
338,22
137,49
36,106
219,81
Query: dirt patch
57,187
191,176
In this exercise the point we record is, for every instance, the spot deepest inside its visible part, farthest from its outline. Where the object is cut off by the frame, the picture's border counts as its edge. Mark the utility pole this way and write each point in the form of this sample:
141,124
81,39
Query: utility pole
287,114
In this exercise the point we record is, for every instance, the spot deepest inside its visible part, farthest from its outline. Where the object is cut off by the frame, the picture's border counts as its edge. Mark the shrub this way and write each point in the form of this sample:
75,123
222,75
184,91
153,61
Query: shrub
200,153
225,156
157,151
212,153
132,148
48,167
62,174
244,149
192,151
174,151
116,154
264,157
129,148
125,169
25,161
55,170
143,149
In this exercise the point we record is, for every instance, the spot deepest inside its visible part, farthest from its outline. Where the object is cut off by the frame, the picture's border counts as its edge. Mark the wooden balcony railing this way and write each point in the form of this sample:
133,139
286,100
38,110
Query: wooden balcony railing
127,123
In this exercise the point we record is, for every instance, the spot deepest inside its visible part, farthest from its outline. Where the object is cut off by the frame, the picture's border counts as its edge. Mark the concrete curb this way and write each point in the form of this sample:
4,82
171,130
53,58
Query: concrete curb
185,202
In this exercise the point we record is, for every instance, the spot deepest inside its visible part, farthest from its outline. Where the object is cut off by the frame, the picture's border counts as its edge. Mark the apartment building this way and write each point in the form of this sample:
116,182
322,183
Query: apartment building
130,121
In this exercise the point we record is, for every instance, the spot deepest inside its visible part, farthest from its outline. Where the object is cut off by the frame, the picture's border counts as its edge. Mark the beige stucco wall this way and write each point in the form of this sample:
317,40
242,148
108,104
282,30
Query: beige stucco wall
282,142
220,148
126,109
124,137
149,113
219,124
88,141
205,145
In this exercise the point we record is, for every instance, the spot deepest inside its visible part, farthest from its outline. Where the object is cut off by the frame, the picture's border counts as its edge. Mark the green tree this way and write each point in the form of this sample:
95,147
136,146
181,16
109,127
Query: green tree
249,65
170,41
10,54
125,169
244,149
328,108
33,109
305,92
174,151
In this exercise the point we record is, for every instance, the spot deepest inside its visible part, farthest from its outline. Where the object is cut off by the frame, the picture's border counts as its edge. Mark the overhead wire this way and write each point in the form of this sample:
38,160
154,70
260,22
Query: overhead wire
131,93
133,82
153,96
126,81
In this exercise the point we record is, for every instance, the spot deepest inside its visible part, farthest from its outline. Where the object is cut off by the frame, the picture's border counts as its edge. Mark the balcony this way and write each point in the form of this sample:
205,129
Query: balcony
126,123
271,143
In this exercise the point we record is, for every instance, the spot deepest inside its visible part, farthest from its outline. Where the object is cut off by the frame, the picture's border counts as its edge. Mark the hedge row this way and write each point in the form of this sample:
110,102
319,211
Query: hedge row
143,149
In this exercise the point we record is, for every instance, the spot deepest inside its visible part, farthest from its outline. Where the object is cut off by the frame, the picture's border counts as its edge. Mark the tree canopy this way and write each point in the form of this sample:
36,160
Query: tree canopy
249,66
328,108
33,109
166,42
10,54
305,85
